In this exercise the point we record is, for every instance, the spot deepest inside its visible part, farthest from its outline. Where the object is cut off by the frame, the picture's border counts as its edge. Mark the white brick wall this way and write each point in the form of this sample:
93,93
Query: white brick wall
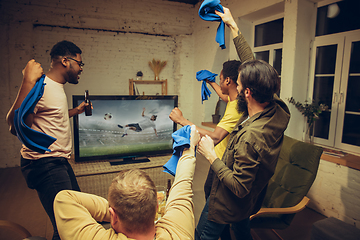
336,192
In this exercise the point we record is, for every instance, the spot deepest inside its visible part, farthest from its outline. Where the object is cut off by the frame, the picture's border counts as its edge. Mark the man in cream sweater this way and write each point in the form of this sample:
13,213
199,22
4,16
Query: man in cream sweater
131,206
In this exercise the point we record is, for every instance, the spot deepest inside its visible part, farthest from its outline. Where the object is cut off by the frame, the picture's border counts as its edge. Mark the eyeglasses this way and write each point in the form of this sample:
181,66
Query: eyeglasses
81,64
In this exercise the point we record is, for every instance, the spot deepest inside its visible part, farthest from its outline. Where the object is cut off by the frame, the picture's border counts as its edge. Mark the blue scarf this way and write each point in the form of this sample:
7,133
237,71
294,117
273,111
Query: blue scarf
34,140
202,75
181,140
207,13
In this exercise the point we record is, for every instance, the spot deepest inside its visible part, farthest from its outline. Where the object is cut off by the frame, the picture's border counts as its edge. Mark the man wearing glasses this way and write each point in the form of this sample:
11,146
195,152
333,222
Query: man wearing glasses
50,172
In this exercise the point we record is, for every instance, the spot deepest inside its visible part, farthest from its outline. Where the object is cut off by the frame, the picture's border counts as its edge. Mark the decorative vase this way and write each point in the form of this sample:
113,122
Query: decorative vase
310,132
157,66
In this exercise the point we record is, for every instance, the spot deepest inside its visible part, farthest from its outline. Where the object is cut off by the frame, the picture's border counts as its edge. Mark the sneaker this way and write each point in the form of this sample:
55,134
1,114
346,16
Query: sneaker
120,126
124,135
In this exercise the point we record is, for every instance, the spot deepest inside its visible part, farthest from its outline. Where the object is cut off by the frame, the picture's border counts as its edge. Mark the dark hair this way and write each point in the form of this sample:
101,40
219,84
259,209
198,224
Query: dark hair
231,70
261,78
64,48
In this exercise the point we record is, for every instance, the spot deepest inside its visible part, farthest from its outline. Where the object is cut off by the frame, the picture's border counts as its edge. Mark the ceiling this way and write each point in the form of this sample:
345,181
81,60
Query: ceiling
193,2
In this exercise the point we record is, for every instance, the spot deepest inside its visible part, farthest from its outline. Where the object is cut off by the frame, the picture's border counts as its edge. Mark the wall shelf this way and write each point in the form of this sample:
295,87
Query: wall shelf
162,82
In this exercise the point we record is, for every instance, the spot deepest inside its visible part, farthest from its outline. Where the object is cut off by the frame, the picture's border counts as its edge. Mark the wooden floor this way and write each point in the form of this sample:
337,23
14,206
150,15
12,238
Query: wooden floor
21,205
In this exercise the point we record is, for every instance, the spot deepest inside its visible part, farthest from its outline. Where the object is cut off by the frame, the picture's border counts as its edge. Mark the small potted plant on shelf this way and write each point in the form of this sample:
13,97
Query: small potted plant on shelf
139,75
311,111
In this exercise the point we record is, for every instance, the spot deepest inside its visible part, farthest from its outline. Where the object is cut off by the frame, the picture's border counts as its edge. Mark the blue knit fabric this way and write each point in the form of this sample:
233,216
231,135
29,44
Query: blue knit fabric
181,140
204,75
207,13
34,140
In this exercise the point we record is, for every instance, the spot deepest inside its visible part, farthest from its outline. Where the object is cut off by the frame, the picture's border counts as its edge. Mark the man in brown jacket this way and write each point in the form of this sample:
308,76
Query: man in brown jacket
251,155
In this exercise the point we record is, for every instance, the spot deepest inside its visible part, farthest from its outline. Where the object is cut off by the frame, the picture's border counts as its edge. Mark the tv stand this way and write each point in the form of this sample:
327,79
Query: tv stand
129,160
95,177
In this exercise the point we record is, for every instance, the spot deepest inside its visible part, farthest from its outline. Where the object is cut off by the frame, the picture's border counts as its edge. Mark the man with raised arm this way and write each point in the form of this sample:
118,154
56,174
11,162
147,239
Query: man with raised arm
50,172
226,91
249,161
131,206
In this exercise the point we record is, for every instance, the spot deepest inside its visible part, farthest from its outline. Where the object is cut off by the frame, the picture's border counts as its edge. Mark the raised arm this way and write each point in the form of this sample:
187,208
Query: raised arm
229,21
217,135
242,47
77,215
143,112
31,73
178,219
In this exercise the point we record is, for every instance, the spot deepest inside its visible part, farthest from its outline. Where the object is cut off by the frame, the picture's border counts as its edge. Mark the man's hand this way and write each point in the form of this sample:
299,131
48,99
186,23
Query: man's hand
79,109
206,148
229,21
32,72
194,137
177,117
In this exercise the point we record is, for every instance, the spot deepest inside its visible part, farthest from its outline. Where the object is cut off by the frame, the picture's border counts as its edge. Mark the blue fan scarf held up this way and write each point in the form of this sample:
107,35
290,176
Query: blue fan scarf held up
34,140
207,13
204,75
181,140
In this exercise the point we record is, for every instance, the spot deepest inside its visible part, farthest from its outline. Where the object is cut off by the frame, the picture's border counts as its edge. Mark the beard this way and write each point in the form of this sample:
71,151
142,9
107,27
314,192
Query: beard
72,76
241,105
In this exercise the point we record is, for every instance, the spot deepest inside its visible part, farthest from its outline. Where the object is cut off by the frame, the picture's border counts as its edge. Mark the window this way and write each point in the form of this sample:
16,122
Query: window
268,42
269,33
335,78
338,17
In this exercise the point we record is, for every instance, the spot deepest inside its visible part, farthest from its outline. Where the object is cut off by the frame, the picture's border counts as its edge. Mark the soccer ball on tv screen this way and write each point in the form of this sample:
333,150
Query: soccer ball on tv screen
107,116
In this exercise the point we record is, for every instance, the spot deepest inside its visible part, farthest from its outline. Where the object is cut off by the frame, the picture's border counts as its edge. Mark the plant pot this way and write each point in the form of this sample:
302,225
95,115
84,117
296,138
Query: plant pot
216,118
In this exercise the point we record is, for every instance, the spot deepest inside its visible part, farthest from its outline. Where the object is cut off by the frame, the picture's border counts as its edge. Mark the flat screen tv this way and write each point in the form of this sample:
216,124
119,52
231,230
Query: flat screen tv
124,129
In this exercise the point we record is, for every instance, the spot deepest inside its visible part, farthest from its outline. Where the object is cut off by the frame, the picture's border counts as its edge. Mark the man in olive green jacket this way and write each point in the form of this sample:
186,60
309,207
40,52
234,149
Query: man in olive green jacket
251,155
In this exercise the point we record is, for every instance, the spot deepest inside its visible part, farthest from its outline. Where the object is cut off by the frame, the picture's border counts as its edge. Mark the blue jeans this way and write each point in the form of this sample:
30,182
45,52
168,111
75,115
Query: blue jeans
209,230
48,176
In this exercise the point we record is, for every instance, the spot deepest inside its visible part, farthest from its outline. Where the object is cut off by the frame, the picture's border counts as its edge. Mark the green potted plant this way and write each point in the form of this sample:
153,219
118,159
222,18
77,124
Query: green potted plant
139,75
311,111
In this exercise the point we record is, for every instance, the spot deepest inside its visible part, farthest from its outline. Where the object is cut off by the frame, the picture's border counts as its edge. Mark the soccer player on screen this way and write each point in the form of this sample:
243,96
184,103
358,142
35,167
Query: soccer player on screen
147,122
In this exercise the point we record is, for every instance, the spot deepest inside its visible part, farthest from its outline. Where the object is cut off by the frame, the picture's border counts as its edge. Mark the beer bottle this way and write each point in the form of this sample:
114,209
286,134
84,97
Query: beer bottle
88,110
168,188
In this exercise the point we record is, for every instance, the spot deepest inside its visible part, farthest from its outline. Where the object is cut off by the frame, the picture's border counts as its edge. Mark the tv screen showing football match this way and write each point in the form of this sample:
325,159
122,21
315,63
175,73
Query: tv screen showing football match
124,127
